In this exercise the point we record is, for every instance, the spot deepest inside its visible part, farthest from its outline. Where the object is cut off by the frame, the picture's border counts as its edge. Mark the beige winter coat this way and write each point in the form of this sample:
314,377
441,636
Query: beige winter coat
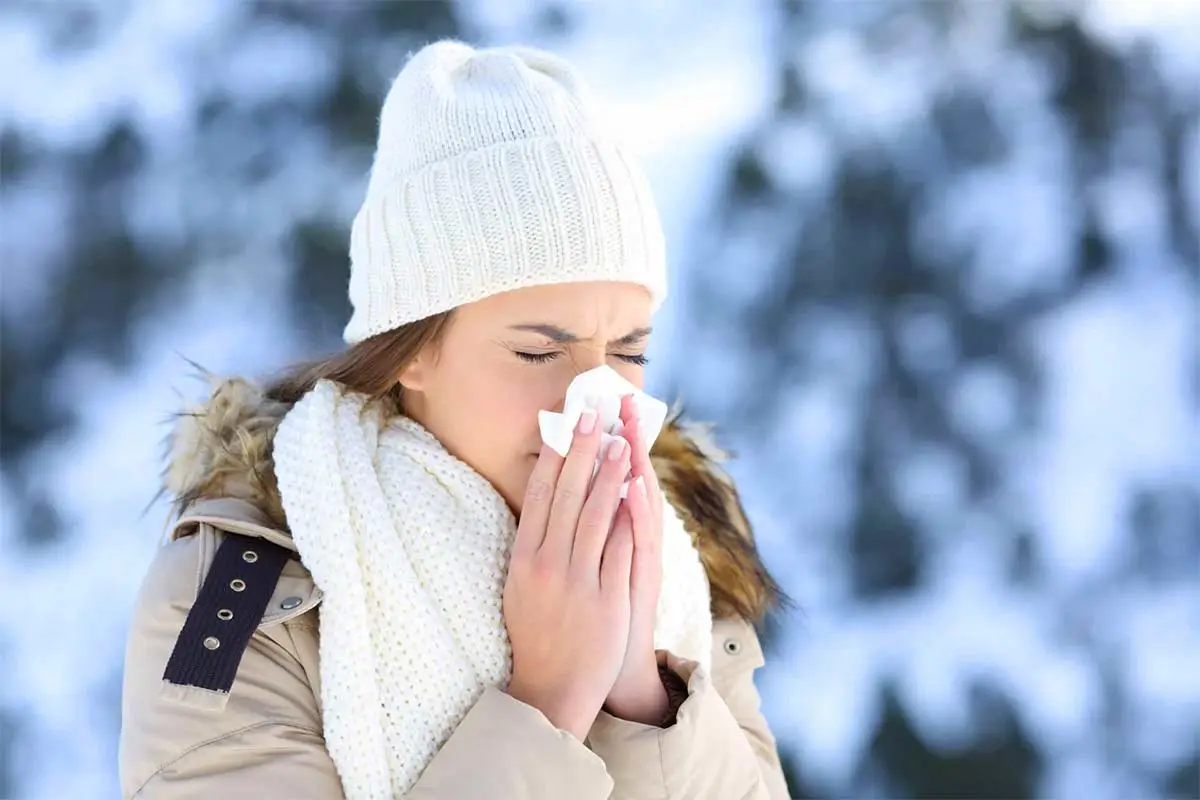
263,738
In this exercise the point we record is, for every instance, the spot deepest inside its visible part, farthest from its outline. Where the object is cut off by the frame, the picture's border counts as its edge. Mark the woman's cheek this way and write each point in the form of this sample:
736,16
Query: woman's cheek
542,387
632,373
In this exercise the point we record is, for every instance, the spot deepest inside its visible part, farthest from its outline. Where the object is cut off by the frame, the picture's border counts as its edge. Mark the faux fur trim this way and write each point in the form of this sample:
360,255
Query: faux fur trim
223,448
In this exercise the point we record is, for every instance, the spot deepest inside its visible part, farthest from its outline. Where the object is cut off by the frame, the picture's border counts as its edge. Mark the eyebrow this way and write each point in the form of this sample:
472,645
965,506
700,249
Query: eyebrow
561,336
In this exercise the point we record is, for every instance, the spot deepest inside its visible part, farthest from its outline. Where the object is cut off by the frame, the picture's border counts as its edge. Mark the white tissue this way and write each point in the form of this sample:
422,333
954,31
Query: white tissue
601,389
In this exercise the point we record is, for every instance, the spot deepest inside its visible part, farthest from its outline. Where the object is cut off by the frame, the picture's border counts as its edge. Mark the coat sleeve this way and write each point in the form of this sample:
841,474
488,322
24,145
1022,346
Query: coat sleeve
266,739
720,745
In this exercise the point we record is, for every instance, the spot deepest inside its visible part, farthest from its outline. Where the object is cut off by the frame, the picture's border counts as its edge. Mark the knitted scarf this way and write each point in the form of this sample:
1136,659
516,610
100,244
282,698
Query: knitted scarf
410,546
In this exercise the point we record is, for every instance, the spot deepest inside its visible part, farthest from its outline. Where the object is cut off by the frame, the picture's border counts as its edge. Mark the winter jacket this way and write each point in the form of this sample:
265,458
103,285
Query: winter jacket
262,736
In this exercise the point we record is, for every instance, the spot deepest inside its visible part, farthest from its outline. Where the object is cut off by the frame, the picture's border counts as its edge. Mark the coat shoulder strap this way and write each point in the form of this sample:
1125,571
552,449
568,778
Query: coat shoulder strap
228,609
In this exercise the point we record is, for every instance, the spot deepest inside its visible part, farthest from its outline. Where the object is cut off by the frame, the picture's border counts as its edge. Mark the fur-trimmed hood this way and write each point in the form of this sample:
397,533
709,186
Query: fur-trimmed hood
223,448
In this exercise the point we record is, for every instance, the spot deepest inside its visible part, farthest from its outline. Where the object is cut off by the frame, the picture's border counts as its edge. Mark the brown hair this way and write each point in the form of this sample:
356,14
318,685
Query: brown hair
370,367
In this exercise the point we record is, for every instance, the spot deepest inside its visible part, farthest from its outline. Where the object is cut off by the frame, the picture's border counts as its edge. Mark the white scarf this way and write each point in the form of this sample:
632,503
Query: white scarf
410,546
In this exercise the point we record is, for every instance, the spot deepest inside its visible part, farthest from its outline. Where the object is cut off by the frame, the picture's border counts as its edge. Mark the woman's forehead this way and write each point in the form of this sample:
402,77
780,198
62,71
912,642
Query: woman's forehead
581,308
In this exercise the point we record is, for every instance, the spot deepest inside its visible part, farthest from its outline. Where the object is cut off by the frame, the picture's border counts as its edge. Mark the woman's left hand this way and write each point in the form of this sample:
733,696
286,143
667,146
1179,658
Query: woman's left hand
638,694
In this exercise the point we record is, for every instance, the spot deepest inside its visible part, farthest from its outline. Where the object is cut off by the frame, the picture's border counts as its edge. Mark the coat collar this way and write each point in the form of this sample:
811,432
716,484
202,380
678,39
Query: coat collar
220,469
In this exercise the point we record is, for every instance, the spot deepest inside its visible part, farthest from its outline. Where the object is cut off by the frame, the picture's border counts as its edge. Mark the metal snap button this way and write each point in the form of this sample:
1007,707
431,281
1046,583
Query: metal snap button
212,643
225,614
288,603
238,585
733,646
250,556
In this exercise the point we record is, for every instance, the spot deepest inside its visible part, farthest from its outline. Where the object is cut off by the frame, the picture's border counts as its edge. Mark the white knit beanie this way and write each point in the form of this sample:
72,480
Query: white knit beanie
494,172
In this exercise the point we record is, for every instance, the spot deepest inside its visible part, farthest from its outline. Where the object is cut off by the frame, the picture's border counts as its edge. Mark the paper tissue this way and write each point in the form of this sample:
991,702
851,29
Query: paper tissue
601,389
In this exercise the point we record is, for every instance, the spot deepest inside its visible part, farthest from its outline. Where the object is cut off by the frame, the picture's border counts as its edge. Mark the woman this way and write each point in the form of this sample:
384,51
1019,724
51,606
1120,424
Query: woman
380,582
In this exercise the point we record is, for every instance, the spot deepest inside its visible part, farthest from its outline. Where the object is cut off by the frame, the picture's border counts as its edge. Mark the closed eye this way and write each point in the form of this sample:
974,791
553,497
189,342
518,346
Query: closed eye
543,358
536,358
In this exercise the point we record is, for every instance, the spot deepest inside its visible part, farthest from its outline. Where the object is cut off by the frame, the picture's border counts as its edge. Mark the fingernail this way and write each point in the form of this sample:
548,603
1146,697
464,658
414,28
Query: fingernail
640,483
616,449
587,421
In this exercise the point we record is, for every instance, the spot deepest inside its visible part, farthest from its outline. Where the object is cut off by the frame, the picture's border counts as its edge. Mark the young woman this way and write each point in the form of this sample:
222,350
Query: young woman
381,583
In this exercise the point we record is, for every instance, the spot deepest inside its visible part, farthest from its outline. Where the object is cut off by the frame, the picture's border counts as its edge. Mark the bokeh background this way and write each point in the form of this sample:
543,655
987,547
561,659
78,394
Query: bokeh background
936,277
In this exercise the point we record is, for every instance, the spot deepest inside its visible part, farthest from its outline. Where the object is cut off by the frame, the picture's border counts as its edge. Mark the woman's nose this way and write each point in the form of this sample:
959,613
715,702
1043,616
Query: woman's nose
589,359
580,363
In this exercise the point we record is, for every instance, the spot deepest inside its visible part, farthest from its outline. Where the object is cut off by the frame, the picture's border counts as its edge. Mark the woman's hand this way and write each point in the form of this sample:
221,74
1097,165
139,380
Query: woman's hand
566,597
638,693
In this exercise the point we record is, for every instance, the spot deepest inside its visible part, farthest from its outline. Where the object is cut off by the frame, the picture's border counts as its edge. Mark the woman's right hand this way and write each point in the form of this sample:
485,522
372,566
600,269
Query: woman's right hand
566,597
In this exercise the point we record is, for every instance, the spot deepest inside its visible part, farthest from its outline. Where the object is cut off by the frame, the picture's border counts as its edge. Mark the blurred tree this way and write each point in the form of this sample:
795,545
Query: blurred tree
863,215
109,276
1003,764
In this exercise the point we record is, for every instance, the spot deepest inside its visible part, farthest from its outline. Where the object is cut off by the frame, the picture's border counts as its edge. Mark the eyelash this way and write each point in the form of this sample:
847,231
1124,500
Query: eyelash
542,358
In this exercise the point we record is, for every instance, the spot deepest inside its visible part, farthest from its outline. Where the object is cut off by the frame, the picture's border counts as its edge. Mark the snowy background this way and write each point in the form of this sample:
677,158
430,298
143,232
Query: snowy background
936,278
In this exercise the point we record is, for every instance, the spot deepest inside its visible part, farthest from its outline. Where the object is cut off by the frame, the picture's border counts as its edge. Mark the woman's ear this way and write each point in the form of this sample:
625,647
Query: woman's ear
415,375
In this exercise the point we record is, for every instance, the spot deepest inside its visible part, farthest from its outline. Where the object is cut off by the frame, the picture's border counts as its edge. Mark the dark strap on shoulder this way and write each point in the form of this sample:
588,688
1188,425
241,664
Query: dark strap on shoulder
228,609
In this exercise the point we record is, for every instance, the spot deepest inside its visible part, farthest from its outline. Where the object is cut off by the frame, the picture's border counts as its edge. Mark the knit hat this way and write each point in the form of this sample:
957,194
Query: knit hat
494,172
